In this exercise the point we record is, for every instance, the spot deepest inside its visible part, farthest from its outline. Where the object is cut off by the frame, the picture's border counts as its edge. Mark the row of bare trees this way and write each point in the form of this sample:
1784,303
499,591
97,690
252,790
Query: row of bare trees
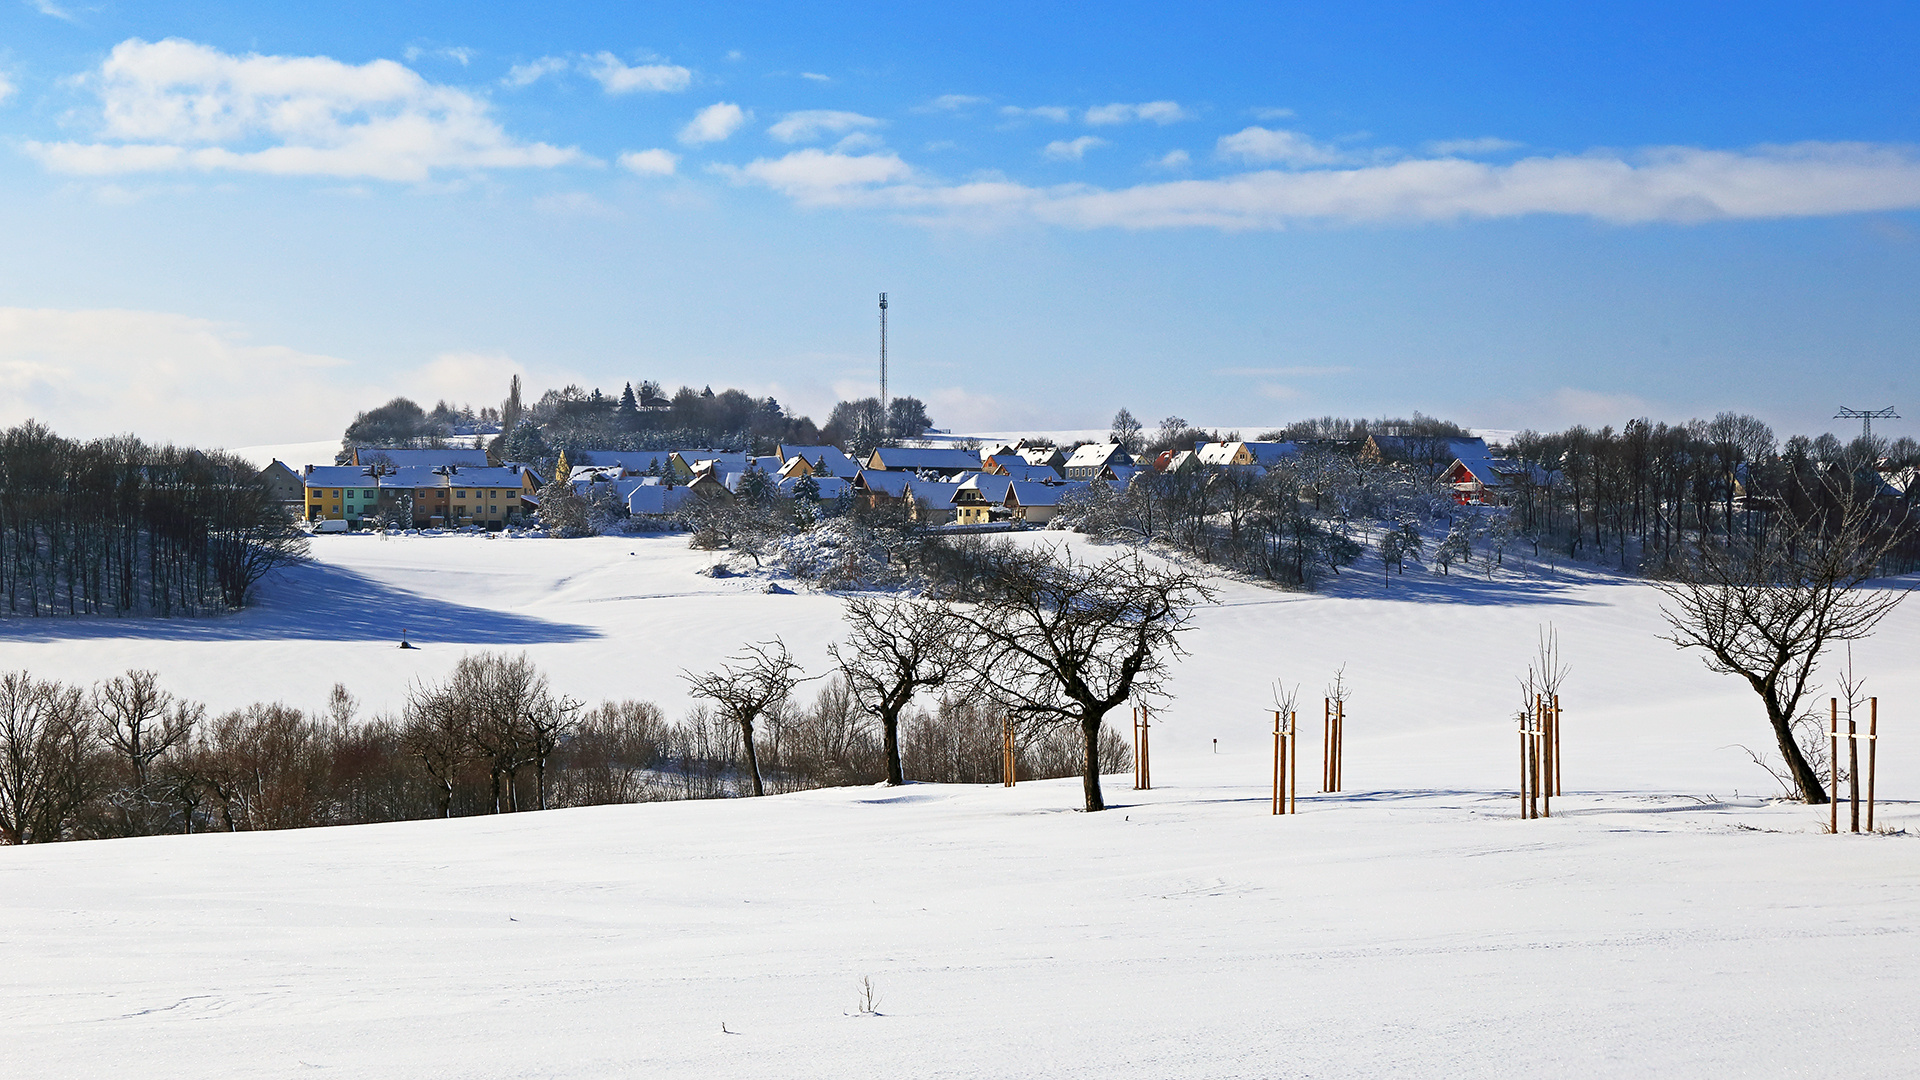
114,526
1032,637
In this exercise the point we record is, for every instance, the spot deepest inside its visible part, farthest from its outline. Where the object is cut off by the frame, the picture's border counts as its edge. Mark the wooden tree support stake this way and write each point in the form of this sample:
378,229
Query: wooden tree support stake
1006,752
1853,735
1539,761
1142,751
1285,764
1333,723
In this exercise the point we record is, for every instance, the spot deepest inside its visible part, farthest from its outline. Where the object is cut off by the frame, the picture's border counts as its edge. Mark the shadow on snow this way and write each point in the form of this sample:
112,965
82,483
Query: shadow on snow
316,602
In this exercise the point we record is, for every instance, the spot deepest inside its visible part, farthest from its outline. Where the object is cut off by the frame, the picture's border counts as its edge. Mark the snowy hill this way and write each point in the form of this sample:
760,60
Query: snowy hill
1656,925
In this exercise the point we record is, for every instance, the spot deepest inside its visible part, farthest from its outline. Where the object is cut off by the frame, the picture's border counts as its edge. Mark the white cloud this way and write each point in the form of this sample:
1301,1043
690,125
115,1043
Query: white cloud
1271,114
176,105
1072,149
1260,146
810,124
6,87
955,102
650,162
615,77
714,123
163,376
1172,159
48,7
534,70
1668,184
1470,147
816,76
1158,112
459,54
814,176
1059,114
1282,372
859,141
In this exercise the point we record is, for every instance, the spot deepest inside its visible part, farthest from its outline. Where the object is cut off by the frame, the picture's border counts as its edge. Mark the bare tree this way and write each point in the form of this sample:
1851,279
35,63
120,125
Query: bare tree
747,687
548,720
1052,640
1767,610
436,732
45,751
895,649
141,722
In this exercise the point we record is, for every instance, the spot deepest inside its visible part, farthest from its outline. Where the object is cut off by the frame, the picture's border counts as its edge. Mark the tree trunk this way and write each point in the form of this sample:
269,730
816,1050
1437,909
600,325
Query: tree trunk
753,757
1812,791
890,726
1090,732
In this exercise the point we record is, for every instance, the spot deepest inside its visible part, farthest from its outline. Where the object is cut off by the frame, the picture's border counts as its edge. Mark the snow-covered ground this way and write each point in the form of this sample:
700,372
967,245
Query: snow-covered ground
1664,922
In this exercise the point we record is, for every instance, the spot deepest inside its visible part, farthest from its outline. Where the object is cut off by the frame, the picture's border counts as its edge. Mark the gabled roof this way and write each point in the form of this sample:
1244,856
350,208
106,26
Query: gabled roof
633,461
831,487
1019,469
340,476
988,487
934,494
1042,455
1094,455
487,478
404,457
837,462
654,499
1022,493
891,484
414,476
914,458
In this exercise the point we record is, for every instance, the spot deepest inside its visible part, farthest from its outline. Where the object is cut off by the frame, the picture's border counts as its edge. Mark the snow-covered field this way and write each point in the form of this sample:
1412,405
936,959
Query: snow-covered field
1666,921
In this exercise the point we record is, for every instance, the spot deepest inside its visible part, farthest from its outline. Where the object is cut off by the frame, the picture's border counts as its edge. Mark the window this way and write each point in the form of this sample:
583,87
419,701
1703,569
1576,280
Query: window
336,493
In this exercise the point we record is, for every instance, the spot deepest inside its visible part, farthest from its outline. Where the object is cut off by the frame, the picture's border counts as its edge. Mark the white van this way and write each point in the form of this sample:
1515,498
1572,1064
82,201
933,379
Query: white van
330,525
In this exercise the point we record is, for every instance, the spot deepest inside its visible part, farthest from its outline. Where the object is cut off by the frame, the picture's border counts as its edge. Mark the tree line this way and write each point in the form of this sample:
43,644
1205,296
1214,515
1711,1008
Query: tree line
117,527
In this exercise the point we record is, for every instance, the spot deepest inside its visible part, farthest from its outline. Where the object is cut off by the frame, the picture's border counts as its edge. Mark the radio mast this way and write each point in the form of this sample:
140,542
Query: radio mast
883,361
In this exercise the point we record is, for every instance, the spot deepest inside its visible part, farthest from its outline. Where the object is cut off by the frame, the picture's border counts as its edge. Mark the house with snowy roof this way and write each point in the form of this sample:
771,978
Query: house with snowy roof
945,461
1088,460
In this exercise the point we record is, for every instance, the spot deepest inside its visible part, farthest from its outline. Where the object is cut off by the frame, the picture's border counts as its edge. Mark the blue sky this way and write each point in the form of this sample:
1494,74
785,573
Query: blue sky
235,224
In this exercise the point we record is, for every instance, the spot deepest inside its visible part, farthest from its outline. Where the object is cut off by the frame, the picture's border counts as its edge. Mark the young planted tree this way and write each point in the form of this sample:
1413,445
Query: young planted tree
1767,610
1055,641
749,686
895,649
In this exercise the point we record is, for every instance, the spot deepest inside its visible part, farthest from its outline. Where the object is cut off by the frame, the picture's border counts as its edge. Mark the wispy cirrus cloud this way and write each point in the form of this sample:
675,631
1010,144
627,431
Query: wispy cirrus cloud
175,105
821,177
1661,184
534,70
1262,146
809,124
1486,144
1072,149
616,77
1058,114
715,123
1154,112
1294,372
650,162
954,102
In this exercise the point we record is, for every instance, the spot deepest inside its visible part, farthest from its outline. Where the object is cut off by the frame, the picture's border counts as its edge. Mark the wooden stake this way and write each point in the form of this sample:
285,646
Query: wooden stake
1873,753
1293,762
1853,765
1556,744
1326,744
1006,753
1833,761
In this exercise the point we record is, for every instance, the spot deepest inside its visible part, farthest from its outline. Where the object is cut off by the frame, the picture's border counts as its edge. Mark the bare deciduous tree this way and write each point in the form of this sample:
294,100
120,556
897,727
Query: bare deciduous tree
1052,640
746,688
895,649
1765,611
45,747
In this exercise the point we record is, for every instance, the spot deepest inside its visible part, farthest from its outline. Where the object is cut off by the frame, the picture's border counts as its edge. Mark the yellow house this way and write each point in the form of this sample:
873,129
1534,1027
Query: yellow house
486,497
340,493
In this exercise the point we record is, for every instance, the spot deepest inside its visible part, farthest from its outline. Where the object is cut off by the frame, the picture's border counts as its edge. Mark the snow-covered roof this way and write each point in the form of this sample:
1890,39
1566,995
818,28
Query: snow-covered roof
837,462
342,476
656,499
1026,493
414,476
934,494
891,484
633,461
990,487
406,456
1094,455
914,458
831,487
1041,455
1019,469
485,478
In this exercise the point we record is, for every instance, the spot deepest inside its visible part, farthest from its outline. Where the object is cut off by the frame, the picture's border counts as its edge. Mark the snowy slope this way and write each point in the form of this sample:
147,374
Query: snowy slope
1657,925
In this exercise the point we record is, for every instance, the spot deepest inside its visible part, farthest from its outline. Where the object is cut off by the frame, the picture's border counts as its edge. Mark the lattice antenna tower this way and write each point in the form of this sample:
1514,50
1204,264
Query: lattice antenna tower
1865,416
883,359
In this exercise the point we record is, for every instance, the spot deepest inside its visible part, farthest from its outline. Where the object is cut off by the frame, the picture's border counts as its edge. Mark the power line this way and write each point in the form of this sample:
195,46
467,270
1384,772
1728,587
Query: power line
1865,416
